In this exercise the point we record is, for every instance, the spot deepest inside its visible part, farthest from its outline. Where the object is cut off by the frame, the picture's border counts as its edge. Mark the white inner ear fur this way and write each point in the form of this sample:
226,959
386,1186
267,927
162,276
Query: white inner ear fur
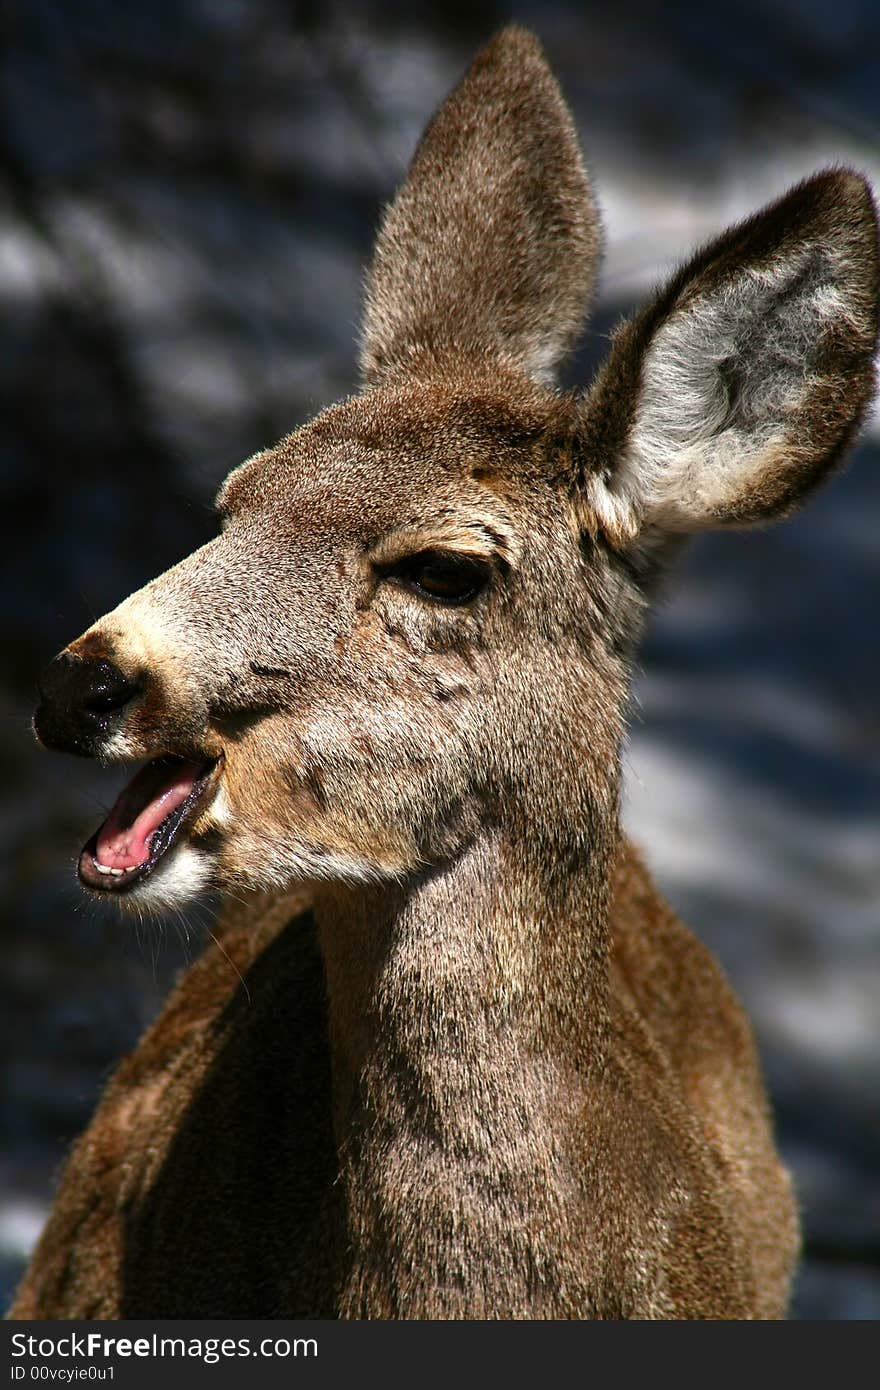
719,382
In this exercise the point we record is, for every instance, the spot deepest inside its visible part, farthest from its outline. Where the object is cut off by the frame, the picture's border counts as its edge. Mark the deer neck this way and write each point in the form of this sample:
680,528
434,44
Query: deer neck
463,1011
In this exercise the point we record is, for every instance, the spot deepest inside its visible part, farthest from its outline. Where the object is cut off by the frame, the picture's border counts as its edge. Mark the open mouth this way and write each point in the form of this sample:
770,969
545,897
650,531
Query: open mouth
148,818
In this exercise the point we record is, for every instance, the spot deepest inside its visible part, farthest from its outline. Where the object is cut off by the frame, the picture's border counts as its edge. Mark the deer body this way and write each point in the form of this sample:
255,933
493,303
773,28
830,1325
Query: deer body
207,1183
478,1068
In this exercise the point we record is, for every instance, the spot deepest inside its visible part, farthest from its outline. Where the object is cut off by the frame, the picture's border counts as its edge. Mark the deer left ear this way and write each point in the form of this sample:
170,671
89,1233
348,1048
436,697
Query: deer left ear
732,395
488,253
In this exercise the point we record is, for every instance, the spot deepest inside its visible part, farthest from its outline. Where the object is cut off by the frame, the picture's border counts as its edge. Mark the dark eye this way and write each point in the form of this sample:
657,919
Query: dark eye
442,575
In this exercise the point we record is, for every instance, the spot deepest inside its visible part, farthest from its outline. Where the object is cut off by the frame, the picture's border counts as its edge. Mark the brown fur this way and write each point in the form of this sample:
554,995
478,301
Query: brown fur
487,1073
143,1199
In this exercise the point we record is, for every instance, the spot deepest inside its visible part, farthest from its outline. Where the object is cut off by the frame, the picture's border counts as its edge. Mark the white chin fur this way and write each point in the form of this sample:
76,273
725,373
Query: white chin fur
175,881
119,748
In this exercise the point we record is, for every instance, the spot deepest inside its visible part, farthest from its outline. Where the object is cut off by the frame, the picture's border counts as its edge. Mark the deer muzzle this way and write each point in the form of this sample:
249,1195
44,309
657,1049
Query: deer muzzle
89,706
81,702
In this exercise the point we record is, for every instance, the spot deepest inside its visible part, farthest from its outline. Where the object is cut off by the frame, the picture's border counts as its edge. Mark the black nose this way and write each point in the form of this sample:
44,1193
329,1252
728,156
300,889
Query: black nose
78,701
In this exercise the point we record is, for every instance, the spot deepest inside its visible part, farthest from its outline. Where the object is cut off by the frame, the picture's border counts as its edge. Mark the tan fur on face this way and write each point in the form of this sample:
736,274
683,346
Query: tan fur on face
358,739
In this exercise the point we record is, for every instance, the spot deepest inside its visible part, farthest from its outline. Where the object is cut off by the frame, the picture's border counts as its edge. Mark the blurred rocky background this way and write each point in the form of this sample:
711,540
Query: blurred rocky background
188,191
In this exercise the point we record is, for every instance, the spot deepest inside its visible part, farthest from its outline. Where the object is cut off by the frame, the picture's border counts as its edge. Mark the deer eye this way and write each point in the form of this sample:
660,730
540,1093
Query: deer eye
441,575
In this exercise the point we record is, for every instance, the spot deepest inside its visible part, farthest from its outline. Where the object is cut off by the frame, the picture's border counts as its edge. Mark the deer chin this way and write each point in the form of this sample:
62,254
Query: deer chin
149,826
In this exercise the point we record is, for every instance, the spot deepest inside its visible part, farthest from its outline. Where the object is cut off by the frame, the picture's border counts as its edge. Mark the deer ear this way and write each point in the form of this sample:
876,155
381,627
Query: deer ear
732,394
490,248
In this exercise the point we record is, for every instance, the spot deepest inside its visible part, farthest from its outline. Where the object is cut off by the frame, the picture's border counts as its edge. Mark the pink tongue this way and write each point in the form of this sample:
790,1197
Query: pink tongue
157,790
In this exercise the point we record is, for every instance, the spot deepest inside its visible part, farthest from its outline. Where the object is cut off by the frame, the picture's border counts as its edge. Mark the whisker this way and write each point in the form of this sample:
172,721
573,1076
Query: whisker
225,953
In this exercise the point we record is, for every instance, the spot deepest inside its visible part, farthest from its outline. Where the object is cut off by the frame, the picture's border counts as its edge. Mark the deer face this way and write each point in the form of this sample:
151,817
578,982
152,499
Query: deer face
320,690
415,621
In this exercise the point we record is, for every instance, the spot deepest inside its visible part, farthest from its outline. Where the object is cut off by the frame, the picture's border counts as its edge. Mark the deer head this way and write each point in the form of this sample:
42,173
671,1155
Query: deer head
417,620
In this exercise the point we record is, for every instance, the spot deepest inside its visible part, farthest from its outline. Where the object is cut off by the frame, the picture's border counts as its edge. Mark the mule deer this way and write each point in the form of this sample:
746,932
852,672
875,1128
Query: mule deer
477,1068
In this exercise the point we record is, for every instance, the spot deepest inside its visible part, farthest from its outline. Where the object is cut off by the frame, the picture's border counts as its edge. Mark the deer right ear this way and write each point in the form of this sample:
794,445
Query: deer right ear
732,394
489,250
